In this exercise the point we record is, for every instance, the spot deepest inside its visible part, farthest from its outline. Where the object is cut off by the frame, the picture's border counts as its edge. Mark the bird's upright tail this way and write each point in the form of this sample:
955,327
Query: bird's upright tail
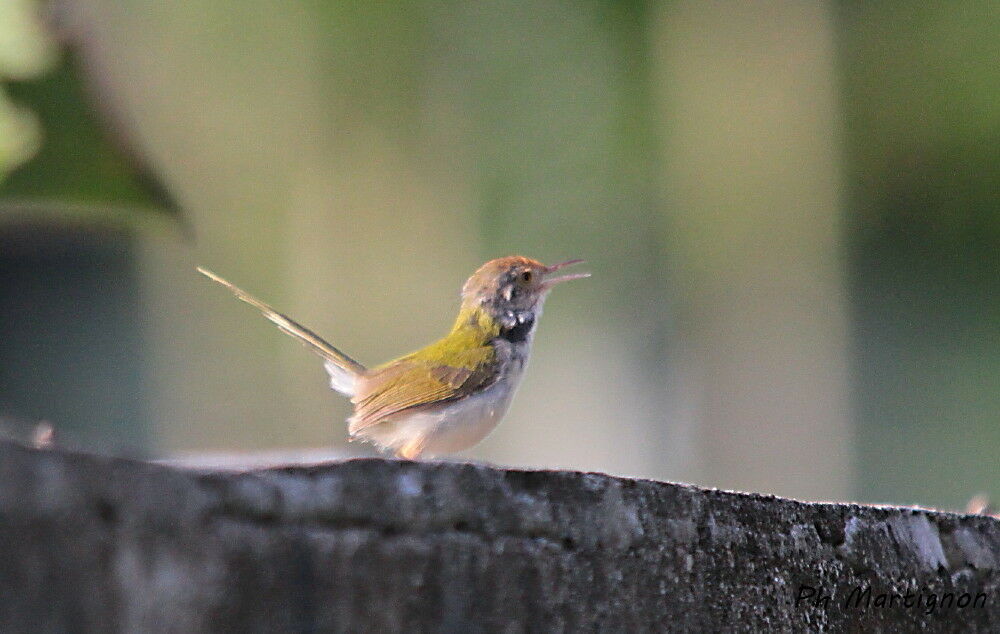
344,371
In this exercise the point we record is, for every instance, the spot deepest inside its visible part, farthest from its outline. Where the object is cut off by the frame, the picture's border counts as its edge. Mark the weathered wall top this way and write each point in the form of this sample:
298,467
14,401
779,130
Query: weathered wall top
98,544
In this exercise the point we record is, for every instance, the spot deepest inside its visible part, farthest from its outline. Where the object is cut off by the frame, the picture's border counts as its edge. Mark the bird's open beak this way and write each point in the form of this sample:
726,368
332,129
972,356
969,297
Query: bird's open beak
548,282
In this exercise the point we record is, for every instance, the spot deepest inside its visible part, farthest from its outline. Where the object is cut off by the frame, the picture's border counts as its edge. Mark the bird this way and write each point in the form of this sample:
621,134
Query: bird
448,396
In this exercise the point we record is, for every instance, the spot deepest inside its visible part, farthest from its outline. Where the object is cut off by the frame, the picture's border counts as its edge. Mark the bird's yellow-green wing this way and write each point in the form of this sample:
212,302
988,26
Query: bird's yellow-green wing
438,373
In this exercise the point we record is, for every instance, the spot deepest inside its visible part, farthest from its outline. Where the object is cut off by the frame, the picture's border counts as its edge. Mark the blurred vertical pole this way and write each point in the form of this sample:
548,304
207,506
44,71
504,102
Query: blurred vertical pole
748,103
921,84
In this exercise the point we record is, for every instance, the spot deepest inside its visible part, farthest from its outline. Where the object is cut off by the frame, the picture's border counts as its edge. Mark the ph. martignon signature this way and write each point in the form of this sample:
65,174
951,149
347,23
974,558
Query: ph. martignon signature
863,597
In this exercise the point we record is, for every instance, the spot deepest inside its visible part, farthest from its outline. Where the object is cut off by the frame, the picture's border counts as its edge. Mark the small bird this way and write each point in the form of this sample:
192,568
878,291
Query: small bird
447,396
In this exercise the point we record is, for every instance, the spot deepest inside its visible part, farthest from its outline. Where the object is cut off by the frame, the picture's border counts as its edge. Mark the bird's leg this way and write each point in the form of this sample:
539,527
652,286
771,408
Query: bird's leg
412,449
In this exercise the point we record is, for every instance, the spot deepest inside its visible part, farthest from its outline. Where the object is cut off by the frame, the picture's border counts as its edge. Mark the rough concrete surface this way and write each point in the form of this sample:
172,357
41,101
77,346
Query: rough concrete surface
93,544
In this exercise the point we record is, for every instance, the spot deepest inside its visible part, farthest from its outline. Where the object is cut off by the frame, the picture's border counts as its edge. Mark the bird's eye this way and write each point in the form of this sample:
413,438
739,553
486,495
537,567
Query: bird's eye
526,277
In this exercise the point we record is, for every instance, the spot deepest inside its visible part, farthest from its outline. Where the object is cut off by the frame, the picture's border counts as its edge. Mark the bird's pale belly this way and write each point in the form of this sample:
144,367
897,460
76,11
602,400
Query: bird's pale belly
445,428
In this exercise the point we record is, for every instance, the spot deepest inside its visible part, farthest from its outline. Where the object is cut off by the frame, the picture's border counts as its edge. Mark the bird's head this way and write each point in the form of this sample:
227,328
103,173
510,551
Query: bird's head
514,285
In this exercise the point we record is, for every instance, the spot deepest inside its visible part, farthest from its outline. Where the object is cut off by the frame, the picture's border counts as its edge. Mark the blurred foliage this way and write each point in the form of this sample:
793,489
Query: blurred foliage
77,162
59,155
26,51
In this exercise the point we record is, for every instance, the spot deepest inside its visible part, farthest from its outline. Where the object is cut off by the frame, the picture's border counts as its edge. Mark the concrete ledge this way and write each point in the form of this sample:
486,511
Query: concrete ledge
97,544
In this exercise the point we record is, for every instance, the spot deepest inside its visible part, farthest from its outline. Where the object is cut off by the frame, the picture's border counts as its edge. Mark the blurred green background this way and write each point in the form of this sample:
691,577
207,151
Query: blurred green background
791,210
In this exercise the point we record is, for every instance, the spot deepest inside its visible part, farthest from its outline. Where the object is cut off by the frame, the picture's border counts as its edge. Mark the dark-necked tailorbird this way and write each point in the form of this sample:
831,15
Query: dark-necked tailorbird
450,395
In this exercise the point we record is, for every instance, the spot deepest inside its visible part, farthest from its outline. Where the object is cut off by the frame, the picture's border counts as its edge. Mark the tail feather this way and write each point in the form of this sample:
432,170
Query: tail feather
343,370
